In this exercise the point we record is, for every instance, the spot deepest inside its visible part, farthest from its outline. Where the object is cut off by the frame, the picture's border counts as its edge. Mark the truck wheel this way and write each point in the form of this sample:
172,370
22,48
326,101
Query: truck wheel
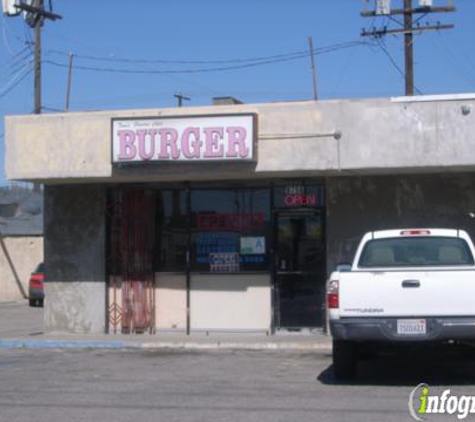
344,359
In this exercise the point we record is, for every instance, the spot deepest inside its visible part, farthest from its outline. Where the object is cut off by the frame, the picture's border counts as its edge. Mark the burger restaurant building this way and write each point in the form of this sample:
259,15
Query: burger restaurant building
229,218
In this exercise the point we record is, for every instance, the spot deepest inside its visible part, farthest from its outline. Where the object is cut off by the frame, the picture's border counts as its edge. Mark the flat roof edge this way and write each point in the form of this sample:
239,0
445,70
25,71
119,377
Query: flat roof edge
431,98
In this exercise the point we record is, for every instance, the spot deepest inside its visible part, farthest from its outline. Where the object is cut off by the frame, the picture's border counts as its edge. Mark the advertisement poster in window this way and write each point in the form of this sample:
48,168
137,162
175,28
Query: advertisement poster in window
253,245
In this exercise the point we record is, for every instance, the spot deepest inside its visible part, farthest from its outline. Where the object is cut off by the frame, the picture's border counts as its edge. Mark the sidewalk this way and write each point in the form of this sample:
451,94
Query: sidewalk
170,341
21,327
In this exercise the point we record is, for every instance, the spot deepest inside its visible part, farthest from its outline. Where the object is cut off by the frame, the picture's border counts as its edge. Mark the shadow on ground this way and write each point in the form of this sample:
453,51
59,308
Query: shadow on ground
396,371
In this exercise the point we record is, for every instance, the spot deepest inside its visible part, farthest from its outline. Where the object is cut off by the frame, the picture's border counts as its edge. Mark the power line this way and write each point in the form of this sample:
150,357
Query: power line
469,78
20,56
296,54
262,62
393,62
8,90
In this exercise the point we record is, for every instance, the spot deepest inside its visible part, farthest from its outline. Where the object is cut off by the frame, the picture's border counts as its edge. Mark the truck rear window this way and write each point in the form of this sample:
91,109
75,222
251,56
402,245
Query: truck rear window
416,252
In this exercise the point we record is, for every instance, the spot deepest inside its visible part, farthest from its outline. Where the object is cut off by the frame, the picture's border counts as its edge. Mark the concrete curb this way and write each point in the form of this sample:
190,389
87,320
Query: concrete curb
235,346
9,344
64,344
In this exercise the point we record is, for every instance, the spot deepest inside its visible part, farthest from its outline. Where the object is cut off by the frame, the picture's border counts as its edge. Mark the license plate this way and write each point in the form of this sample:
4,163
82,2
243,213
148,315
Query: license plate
411,326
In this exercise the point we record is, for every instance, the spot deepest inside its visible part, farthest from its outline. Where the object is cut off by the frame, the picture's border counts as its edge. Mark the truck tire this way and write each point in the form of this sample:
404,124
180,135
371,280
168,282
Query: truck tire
345,360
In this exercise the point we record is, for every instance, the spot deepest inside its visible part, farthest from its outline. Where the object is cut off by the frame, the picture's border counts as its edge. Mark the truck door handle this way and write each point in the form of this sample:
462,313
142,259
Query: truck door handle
411,283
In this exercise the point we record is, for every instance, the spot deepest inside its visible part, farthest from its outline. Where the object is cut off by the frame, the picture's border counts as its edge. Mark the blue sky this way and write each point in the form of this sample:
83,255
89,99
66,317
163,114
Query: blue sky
127,45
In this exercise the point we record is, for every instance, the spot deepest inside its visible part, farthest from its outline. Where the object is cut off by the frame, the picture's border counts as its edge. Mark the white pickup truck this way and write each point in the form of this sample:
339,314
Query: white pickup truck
404,287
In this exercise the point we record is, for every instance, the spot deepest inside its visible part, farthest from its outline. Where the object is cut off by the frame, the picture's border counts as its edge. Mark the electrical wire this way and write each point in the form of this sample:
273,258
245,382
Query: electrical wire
58,110
12,84
254,62
28,38
393,62
469,77
15,59
295,54
5,39
21,65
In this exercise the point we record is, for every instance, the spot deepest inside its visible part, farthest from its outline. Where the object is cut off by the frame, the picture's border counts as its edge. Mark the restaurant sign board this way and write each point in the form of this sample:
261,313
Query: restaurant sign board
184,139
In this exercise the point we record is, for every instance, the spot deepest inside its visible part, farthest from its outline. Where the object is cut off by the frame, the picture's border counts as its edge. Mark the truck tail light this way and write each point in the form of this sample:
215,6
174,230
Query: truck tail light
333,299
415,233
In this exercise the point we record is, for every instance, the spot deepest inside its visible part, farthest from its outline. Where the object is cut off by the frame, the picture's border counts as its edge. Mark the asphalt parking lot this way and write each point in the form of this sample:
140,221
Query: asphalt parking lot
19,319
208,385
59,385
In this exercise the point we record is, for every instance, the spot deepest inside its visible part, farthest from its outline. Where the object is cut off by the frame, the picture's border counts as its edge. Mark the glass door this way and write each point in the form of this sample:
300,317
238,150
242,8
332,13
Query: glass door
300,269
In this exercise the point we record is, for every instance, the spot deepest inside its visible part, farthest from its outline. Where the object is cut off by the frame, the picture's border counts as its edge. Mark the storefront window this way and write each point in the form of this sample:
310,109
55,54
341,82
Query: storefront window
172,230
230,230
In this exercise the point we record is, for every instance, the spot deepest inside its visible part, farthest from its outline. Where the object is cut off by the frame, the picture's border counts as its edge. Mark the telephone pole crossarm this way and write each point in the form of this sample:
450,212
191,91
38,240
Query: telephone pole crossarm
180,98
382,32
414,11
38,11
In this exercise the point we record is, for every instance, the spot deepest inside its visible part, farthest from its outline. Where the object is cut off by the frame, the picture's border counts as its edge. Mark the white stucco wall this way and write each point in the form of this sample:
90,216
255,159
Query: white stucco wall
19,256
170,302
237,302
377,136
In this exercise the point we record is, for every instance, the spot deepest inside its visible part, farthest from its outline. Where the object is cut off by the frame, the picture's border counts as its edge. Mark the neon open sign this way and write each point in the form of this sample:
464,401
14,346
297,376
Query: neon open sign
300,195
296,200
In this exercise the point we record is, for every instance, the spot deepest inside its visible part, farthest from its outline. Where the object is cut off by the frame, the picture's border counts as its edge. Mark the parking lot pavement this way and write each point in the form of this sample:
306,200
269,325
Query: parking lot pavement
206,384
17,319
214,385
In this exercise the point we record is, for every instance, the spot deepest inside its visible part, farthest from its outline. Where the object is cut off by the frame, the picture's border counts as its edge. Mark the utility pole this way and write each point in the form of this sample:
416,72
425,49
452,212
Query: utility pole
36,14
409,27
70,77
314,71
38,22
408,48
180,98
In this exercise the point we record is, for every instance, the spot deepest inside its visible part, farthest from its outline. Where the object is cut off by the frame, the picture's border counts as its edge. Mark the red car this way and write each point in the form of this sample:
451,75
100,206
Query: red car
36,291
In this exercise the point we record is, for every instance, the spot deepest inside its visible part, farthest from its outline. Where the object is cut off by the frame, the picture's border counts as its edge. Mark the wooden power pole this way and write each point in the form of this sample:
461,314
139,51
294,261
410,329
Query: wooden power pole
408,48
38,22
36,14
314,70
180,98
410,26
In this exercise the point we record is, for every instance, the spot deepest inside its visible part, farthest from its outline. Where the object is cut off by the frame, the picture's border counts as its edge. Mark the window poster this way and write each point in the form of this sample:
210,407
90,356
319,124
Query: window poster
215,243
224,262
253,245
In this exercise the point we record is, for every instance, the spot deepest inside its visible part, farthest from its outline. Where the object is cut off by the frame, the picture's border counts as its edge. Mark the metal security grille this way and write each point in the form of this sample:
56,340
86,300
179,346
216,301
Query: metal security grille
131,276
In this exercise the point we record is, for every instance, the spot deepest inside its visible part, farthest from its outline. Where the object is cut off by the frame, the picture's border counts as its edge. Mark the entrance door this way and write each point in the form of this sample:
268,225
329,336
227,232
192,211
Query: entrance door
300,269
131,277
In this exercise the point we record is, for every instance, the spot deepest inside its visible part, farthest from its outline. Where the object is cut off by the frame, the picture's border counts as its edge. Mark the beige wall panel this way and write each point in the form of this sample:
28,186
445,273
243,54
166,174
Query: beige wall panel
230,302
297,138
62,147
25,253
170,301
